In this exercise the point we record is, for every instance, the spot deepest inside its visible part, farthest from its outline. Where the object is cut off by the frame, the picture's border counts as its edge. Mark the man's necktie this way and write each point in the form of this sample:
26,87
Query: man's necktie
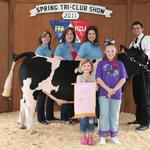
136,40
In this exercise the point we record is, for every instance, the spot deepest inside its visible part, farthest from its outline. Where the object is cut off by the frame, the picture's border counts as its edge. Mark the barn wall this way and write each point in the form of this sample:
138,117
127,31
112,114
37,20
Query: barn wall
24,32
4,58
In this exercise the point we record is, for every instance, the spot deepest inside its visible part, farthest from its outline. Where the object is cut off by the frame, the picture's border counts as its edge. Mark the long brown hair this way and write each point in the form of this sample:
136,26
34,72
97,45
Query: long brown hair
94,28
44,35
66,31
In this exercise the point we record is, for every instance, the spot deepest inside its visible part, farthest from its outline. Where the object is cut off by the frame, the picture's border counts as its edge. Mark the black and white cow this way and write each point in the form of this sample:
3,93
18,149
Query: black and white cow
52,76
135,60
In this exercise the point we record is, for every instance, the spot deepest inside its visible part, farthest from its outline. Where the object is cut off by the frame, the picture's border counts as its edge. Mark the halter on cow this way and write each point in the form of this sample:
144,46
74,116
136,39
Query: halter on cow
135,60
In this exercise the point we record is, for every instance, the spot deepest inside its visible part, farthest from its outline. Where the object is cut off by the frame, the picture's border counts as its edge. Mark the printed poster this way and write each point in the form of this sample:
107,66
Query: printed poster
84,99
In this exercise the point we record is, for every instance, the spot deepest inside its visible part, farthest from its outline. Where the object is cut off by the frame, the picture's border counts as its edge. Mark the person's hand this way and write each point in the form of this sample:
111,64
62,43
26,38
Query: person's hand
61,102
108,95
111,91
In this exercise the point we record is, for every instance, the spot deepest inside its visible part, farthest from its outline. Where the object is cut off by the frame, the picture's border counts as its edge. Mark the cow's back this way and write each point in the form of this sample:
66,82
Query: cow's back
36,68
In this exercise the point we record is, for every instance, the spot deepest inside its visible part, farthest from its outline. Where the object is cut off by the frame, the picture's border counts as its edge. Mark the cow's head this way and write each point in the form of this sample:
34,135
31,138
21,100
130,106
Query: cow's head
135,60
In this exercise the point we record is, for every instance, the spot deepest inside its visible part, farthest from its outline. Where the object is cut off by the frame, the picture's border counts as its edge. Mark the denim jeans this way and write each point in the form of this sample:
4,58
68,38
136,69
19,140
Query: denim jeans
109,116
87,124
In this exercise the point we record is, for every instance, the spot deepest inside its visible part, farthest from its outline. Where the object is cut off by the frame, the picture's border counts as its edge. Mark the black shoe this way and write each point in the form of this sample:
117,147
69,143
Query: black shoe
56,118
133,122
142,127
52,120
43,122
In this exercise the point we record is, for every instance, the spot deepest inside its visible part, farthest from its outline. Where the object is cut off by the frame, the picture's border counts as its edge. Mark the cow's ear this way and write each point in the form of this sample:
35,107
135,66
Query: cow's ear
122,48
94,60
13,56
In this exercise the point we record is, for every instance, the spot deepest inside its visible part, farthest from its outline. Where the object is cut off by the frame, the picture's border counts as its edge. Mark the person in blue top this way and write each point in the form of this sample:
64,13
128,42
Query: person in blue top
67,50
91,49
45,50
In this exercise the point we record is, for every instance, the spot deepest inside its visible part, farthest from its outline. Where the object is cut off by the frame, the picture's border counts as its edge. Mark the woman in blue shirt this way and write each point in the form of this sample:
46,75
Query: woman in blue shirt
45,50
67,50
90,47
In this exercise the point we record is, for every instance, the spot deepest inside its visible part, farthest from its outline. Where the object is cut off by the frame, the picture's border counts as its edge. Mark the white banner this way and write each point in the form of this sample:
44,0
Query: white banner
70,7
85,99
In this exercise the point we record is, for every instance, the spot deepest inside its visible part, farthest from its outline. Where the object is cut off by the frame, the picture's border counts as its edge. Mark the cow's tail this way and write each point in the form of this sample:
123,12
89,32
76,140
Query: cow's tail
8,82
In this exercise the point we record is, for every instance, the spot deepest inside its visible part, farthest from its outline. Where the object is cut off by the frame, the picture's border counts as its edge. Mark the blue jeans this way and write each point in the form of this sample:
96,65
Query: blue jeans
109,116
87,124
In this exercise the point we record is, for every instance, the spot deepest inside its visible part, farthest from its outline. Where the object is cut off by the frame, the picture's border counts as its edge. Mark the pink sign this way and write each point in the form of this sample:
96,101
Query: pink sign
85,99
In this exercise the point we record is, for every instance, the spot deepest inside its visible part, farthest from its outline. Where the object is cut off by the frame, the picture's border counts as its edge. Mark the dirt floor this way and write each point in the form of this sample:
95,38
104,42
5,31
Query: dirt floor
58,136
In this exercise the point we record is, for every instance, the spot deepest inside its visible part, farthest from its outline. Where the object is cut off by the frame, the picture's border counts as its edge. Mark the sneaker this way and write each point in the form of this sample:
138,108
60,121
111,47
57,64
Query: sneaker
66,122
115,140
91,141
102,141
43,122
84,140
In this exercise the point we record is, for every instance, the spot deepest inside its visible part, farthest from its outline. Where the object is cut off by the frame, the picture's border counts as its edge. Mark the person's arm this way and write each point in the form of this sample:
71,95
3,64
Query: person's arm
123,76
78,80
39,51
58,52
146,45
106,87
79,58
82,52
59,57
120,84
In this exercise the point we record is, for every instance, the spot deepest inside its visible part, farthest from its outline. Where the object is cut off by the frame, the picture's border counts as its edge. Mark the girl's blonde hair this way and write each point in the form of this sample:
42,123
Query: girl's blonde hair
84,61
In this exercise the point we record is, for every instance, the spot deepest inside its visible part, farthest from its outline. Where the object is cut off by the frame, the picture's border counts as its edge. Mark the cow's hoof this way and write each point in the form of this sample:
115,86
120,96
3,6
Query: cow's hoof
22,127
33,132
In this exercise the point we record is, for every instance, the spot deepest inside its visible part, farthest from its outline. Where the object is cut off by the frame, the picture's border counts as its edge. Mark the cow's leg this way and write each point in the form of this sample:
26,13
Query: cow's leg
22,116
30,104
30,110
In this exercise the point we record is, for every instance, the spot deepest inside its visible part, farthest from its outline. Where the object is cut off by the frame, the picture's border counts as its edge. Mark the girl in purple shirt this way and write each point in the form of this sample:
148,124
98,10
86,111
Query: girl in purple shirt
110,76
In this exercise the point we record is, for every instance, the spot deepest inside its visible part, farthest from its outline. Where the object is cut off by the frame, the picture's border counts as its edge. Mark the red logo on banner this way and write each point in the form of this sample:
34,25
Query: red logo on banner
80,28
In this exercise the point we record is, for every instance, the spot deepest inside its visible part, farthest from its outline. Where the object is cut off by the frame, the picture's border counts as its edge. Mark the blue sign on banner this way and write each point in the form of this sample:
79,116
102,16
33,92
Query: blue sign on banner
59,26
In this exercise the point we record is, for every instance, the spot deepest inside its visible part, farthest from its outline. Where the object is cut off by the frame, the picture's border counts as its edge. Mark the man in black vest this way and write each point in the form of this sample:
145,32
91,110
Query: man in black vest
141,82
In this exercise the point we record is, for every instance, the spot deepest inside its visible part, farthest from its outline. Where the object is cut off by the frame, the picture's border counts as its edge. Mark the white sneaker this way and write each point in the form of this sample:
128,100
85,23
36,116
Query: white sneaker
102,141
66,122
115,140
